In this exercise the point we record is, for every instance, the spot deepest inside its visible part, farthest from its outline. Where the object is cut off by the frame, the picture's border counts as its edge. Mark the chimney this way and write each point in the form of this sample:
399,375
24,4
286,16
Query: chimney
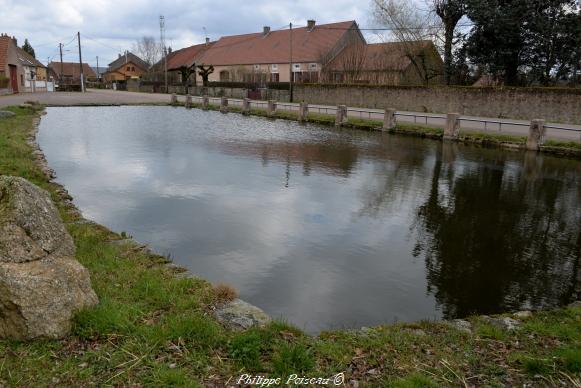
119,55
311,24
266,30
15,41
207,41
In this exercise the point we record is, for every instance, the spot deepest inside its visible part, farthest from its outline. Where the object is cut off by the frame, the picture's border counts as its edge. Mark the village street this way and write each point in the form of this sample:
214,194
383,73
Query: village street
468,123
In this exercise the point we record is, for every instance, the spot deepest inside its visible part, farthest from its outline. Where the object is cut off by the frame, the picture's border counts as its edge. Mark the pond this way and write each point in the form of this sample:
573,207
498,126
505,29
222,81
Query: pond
328,228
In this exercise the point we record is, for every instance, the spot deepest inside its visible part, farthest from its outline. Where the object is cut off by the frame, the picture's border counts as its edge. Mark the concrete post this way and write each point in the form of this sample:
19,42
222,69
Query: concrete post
205,102
452,129
271,110
303,112
188,101
341,115
246,106
224,105
389,119
536,135
174,99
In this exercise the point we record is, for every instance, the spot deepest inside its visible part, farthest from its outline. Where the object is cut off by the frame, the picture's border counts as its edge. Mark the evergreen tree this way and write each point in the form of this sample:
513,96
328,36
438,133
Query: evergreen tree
523,40
28,48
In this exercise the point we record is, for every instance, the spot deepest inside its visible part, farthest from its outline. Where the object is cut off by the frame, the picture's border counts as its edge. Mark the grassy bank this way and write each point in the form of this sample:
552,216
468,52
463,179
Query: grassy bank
560,148
153,328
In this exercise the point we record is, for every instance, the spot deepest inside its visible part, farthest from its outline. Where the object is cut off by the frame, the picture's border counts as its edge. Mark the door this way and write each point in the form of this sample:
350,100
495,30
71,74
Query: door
13,78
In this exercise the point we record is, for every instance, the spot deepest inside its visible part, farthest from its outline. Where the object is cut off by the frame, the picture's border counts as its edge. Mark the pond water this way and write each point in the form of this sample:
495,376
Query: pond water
327,228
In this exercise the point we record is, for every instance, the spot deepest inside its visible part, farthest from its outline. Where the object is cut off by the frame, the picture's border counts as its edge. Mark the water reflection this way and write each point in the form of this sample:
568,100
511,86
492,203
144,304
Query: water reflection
328,228
500,235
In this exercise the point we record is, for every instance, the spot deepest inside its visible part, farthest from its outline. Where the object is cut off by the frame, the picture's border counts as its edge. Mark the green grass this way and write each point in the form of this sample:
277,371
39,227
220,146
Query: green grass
573,145
486,137
154,329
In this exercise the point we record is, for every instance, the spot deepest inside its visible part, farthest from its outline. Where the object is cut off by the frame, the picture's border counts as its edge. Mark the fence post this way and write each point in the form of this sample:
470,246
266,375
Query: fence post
224,105
174,99
246,106
205,102
271,109
536,136
341,115
188,101
452,129
303,112
389,119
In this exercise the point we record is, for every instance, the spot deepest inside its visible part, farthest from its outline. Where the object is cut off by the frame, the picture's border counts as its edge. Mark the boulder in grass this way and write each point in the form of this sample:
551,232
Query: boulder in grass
42,285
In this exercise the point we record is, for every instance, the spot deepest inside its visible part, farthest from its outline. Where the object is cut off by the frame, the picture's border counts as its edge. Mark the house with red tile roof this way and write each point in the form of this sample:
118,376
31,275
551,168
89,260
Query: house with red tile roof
266,56
391,63
19,70
126,66
70,72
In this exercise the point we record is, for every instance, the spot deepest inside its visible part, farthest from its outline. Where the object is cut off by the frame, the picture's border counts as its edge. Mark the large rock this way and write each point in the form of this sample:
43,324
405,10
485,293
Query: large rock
30,225
240,315
41,283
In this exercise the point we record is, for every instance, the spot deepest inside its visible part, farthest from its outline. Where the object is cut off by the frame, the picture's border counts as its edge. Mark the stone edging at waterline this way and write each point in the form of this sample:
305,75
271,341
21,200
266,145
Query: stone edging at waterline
236,314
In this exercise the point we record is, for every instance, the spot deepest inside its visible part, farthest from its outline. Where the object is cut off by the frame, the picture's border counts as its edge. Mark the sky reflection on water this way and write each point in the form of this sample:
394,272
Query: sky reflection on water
327,228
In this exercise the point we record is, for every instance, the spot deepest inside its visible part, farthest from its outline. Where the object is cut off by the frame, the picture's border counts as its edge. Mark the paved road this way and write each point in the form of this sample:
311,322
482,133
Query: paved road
492,125
92,96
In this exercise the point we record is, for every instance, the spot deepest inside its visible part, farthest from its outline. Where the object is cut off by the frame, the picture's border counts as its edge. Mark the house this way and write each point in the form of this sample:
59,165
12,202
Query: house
392,63
126,66
266,56
19,71
69,73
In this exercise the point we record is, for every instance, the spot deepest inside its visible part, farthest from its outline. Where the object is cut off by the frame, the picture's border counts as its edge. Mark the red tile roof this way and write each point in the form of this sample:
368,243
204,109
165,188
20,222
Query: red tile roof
308,46
187,56
389,56
71,69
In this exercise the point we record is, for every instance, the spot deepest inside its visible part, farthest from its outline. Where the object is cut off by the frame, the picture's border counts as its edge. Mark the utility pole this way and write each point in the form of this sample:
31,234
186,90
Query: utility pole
81,63
162,41
98,71
62,67
291,64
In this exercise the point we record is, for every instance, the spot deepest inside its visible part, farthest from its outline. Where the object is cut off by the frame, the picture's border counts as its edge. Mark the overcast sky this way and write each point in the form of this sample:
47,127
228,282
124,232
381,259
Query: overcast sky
108,27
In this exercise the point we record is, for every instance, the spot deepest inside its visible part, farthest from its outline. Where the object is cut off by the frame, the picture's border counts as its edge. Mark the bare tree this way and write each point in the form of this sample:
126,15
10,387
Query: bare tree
148,49
352,59
450,12
412,29
204,72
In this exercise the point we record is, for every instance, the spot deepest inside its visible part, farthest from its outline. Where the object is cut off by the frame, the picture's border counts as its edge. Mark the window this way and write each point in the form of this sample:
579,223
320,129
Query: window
22,79
128,68
296,67
274,68
312,67
256,67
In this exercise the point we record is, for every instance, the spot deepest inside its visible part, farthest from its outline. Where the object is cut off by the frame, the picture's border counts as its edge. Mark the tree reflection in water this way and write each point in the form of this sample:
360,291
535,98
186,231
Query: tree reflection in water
497,238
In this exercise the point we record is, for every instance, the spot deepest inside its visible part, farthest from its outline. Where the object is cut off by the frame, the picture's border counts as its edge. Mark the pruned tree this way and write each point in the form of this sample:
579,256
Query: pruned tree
28,48
450,12
204,72
148,49
411,28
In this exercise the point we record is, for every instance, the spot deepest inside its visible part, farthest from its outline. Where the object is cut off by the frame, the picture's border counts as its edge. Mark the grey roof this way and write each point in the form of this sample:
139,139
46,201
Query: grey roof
129,57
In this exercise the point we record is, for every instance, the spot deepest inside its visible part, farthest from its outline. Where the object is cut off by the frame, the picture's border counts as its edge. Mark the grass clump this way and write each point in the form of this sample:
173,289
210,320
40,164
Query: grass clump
224,293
